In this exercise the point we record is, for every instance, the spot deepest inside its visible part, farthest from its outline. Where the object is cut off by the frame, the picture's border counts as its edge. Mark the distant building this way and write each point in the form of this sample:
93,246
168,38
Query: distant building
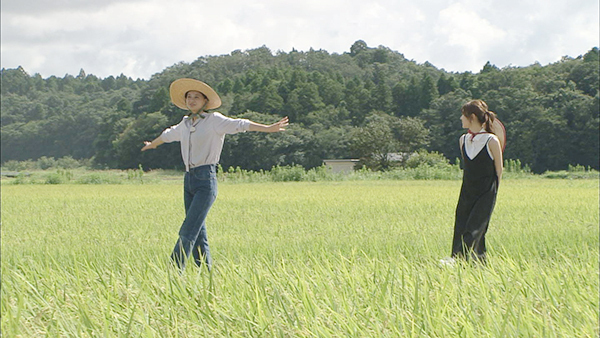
397,157
342,165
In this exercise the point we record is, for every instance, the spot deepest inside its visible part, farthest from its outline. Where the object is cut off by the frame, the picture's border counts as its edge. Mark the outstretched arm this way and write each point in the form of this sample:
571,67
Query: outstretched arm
273,128
152,145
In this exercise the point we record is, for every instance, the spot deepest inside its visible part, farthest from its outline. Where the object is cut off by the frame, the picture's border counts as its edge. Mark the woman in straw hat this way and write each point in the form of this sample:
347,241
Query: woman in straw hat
201,135
481,149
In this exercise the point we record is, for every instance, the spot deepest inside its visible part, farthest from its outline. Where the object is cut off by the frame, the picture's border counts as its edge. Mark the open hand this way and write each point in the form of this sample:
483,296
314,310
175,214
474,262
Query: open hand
148,145
279,126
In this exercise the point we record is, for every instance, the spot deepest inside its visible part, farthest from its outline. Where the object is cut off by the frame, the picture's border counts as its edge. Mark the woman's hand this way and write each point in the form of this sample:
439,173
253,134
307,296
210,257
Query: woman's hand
148,145
273,128
279,126
152,145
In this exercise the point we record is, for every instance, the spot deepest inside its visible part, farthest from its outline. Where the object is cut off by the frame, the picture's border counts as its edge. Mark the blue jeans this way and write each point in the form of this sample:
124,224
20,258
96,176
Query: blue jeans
199,193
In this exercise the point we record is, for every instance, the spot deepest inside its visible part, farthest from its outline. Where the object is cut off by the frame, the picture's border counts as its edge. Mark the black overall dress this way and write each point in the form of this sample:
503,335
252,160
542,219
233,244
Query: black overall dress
475,204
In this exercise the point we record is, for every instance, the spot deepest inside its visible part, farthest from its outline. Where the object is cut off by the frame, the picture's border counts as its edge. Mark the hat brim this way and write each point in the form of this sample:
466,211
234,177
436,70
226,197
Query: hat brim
500,132
180,87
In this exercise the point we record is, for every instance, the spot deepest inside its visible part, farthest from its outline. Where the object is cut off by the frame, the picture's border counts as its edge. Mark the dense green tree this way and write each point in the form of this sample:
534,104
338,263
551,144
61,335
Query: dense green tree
15,81
258,151
108,83
381,55
468,82
550,112
358,47
399,98
331,91
333,143
411,134
302,100
374,142
384,136
225,86
268,101
382,94
443,121
357,100
104,143
577,116
407,97
238,86
429,92
585,75
488,68
446,84
13,107
128,143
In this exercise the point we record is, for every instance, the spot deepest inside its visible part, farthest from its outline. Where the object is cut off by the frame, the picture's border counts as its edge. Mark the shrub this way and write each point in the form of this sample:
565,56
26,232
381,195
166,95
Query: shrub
319,174
422,157
136,174
287,173
515,166
67,162
55,179
99,178
46,162
573,172
425,172
23,179
13,165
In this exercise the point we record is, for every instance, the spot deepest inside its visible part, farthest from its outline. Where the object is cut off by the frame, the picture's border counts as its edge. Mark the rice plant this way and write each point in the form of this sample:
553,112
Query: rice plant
299,259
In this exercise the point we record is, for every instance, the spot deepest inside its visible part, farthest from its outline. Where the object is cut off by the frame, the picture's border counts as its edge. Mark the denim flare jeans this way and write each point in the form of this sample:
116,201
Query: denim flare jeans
199,193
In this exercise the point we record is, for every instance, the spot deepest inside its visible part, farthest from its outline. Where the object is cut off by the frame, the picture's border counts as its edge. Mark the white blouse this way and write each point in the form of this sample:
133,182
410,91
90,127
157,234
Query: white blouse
474,144
202,141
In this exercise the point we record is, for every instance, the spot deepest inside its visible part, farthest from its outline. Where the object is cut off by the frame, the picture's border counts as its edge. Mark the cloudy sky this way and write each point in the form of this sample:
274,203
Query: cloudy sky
142,37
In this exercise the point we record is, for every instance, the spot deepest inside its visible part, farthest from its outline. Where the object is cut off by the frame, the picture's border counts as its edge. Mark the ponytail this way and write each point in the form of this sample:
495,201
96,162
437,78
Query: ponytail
490,117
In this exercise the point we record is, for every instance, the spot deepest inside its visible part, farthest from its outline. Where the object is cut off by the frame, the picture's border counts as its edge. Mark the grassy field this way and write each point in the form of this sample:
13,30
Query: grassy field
324,259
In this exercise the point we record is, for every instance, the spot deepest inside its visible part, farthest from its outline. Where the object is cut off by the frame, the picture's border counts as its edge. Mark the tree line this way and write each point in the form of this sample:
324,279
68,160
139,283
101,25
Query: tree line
367,103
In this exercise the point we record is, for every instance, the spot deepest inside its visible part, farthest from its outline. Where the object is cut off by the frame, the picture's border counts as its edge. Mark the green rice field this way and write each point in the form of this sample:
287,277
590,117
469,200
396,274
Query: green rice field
301,259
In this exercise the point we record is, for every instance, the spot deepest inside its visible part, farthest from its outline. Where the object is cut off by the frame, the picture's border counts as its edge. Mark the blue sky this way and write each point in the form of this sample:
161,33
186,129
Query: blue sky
141,38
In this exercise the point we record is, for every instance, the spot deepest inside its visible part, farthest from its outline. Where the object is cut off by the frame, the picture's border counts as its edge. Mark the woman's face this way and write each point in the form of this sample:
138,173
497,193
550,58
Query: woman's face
195,100
466,122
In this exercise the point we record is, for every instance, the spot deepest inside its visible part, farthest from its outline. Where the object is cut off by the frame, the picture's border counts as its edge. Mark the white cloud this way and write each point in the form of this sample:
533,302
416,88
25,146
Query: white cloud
470,37
140,38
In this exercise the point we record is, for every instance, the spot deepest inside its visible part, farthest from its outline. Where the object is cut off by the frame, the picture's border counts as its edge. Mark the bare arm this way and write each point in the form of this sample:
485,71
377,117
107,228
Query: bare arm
152,145
497,153
273,128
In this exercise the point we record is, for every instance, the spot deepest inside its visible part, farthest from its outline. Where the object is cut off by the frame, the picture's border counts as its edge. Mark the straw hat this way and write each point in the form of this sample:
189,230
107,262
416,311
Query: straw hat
500,132
180,87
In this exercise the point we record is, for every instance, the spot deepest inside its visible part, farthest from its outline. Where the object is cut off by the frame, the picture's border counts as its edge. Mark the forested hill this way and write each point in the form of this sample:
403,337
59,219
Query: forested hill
355,104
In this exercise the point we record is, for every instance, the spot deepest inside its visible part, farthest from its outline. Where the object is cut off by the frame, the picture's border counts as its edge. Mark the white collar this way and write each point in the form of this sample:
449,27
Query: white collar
474,144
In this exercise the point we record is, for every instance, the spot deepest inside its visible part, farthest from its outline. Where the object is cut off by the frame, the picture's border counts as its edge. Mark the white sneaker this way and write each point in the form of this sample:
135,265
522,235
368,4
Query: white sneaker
448,261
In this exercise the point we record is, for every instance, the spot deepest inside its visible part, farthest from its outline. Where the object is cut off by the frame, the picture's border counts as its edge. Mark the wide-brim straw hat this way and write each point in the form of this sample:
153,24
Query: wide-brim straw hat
500,132
180,87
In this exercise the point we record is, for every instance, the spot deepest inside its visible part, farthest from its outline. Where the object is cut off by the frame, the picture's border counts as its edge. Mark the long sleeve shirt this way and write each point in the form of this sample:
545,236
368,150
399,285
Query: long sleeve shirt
202,140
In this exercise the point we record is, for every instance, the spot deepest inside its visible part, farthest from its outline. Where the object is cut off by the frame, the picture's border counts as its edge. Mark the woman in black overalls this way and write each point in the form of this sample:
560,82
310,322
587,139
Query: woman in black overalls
482,158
